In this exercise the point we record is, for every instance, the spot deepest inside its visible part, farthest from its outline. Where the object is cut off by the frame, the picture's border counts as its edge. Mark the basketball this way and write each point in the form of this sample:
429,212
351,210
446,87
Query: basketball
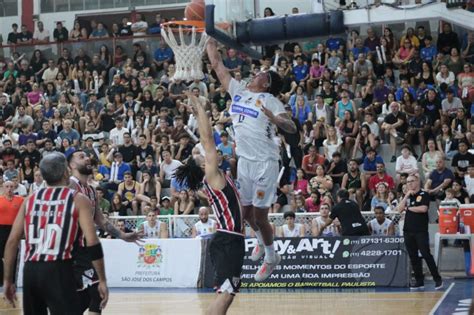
195,10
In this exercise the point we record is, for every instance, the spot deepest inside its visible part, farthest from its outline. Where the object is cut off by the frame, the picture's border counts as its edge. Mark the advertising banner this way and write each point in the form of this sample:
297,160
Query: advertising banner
158,263
333,262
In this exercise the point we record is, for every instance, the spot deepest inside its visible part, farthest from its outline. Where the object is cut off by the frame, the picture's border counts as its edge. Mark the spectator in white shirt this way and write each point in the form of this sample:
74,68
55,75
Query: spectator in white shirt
167,169
205,227
50,74
41,36
116,134
469,180
140,27
406,163
20,189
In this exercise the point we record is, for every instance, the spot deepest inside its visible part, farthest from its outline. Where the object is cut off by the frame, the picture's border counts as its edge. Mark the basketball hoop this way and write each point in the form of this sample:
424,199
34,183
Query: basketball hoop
187,48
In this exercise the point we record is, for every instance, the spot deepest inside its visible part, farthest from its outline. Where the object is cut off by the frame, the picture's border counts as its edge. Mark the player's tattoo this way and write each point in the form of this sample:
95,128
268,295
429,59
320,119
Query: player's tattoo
285,123
112,230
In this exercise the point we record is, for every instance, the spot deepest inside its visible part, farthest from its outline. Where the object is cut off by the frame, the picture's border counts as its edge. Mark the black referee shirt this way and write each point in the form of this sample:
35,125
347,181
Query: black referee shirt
352,221
417,222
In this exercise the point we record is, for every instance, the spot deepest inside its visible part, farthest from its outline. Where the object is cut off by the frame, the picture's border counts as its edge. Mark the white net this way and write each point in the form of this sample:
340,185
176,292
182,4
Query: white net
188,50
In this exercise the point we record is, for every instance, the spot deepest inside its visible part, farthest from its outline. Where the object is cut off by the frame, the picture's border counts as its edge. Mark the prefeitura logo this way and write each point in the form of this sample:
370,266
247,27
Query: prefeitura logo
149,255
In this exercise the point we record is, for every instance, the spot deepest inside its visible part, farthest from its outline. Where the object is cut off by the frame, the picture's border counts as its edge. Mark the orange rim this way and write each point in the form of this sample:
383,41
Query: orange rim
174,25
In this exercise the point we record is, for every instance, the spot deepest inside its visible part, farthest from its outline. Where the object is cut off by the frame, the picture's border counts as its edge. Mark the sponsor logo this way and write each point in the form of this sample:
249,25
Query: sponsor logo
237,98
149,255
245,111
260,194
317,246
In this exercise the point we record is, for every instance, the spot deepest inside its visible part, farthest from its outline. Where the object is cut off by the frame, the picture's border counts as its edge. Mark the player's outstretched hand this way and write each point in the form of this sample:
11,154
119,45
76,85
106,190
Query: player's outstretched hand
9,292
134,237
104,294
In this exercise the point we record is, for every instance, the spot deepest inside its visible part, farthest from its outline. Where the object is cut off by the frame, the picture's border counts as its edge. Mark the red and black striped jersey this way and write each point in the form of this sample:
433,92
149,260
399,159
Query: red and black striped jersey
51,224
91,194
226,206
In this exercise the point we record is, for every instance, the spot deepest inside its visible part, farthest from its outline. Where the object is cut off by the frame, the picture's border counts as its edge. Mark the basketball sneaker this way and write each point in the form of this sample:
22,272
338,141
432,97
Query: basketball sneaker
257,253
267,268
417,285
438,284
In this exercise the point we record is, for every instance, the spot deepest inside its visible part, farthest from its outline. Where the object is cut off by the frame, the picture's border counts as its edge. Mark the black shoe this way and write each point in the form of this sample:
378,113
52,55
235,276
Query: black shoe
438,284
394,159
417,285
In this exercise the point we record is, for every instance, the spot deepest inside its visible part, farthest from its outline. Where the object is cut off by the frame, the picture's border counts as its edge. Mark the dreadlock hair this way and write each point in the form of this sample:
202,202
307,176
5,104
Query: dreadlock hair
190,174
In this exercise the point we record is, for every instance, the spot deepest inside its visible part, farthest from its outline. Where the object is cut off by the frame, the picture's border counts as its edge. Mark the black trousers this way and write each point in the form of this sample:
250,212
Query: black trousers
419,241
297,155
4,234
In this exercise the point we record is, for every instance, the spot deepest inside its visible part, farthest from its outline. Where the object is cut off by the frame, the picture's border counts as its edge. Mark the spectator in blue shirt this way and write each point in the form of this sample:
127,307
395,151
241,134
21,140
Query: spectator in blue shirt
70,133
333,43
233,62
163,54
301,110
404,87
370,162
429,52
358,49
117,171
300,71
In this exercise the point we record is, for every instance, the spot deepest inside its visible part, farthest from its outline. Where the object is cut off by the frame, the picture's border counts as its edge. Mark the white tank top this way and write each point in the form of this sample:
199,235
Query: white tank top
151,232
380,229
328,231
204,229
253,130
292,233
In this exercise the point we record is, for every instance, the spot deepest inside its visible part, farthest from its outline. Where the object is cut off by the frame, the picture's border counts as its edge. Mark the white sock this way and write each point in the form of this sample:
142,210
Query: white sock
270,253
259,236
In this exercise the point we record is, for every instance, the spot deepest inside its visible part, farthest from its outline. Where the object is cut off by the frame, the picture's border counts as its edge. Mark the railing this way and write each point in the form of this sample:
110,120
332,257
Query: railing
91,46
51,6
180,226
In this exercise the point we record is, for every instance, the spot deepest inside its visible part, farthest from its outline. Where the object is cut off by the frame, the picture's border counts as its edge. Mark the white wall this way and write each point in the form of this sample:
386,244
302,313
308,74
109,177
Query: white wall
281,7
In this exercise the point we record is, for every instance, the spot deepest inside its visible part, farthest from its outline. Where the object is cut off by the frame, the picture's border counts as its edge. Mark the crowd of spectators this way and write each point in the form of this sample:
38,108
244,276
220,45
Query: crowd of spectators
350,97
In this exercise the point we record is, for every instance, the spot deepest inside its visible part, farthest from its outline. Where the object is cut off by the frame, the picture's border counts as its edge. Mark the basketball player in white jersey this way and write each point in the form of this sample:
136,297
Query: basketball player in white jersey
255,112
381,226
291,229
153,228
205,227
319,222
81,168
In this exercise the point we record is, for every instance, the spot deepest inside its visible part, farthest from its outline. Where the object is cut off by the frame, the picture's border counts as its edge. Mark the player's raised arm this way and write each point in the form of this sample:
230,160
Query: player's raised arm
93,244
216,61
213,176
11,248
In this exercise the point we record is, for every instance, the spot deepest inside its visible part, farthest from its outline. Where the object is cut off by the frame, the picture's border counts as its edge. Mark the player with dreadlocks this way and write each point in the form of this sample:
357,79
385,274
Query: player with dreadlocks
227,247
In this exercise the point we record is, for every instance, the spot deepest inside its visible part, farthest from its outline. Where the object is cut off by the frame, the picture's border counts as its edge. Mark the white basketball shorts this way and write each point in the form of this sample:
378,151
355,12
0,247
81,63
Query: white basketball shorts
257,182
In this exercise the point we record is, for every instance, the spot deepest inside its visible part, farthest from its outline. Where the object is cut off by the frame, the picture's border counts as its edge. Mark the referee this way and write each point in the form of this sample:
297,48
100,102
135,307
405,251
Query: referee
415,231
348,213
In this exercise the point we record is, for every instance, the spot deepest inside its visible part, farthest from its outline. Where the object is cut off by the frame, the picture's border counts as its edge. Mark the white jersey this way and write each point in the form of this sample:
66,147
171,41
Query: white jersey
205,229
151,232
253,130
380,229
292,233
330,230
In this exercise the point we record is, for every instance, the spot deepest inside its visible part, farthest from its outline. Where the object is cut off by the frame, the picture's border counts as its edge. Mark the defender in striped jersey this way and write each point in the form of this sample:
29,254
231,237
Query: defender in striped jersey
227,246
86,276
50,220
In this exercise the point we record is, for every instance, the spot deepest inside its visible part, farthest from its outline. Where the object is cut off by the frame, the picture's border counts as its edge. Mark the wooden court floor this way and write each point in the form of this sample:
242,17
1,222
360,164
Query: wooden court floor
268,302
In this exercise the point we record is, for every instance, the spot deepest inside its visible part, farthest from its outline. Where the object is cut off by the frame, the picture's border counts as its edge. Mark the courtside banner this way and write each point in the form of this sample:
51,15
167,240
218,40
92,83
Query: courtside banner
333,262
160,263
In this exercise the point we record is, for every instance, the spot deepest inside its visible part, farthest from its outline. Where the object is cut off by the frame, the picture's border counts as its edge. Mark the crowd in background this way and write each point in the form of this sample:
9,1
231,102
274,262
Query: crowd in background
349,96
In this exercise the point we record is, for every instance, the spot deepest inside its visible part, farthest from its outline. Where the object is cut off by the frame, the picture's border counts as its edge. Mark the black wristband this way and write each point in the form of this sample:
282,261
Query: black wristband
95,252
